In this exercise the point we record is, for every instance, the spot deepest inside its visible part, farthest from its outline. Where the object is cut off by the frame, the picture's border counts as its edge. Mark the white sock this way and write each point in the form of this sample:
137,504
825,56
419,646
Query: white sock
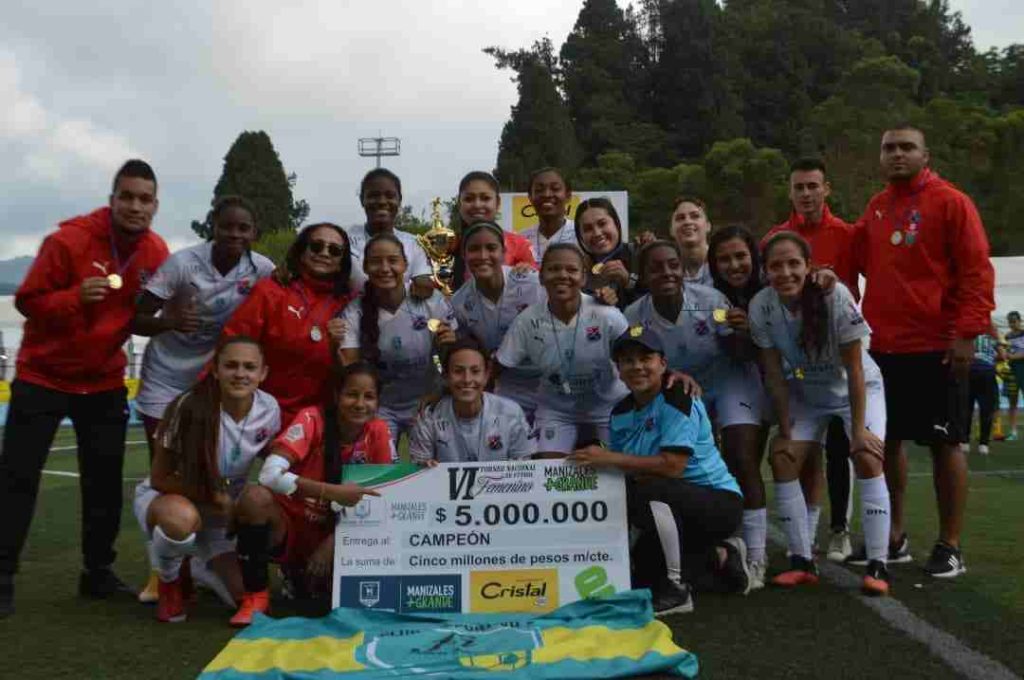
813,515
755,532
875,516
151,554
792,514
169,553
668,534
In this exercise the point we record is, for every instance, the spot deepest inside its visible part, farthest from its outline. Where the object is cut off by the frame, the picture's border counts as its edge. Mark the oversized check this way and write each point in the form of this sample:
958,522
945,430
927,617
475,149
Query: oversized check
522,536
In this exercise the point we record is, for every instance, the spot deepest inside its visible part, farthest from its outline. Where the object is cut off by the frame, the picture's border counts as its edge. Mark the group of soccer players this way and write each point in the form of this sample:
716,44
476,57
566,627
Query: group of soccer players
668,359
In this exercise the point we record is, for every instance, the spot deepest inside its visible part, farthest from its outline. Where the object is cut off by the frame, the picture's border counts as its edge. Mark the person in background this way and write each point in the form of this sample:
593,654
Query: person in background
1015,358
690,228
294,316
467,424
679,493
831,241
78,300
982,390
1007,388
479,201
549,193
925,309
183,309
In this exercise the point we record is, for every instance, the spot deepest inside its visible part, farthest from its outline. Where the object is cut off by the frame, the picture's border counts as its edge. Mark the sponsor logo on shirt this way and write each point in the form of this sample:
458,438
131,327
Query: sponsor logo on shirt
295,433
700,327
593,333
244,286
261,435
494,442
419,323
522,590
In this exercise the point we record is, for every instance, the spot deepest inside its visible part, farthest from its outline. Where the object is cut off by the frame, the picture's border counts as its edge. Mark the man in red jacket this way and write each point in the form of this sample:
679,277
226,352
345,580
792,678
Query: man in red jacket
78,300
831,241
923,250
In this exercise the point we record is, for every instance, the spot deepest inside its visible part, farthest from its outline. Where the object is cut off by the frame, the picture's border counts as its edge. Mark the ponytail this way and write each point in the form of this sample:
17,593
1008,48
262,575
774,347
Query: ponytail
193,421
369,326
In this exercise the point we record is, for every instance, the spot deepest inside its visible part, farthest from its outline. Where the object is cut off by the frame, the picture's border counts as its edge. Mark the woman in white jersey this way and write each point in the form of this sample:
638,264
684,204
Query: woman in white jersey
387,327
380,194
568,338
204,450
820,335
549,194
487,304
466,423
185,305
689,226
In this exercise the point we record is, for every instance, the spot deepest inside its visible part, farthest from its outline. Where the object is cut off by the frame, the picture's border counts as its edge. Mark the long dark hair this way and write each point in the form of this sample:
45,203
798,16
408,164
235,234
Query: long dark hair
332,434
740,297
600,203
459,265
813,310
195,440
293,258
369,329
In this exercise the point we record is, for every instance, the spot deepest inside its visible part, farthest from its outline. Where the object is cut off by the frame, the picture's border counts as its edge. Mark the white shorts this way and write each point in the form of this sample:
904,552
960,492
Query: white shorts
557,433
810,422
738,399
398,420
211,539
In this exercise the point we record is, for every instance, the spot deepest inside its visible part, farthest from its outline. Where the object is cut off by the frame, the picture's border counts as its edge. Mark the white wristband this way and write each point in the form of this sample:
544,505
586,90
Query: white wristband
275,475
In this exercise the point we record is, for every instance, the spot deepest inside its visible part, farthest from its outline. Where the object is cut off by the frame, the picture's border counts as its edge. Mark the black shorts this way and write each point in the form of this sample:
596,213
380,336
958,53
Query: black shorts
924,401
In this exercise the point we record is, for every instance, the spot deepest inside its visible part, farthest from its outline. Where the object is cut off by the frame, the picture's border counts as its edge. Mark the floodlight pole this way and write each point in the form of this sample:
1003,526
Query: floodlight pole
379,146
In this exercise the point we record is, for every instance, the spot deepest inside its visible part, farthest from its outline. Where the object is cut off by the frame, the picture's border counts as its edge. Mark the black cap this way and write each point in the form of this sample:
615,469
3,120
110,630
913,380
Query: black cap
639,336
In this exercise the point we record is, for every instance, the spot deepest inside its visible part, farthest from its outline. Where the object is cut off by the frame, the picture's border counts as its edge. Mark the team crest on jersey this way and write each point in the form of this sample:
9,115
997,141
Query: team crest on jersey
494,442
700,327
244,286
593,333
418,323
295,433
261,435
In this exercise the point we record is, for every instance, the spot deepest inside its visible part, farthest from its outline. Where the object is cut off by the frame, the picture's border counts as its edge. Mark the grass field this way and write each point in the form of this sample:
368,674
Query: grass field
826,631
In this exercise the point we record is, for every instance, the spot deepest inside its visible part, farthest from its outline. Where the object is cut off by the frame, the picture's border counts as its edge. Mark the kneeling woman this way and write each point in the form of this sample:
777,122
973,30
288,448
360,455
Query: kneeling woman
203,450
678,487
466,423
288,517
820,335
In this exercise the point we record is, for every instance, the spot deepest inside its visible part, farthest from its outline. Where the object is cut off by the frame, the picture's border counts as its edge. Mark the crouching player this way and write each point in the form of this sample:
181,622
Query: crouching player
288,517
202,454
679,491
466,423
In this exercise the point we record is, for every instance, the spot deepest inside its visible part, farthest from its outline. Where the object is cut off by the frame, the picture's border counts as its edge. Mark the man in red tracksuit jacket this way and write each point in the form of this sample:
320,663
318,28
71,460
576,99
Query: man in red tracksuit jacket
78,300
922,248
831,241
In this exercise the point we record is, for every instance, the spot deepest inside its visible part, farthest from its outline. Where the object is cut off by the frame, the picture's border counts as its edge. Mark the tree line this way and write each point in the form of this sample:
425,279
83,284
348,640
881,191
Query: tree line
697,97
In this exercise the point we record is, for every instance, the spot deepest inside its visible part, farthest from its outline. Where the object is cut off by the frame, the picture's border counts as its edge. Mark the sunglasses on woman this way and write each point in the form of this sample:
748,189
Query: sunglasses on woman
333,249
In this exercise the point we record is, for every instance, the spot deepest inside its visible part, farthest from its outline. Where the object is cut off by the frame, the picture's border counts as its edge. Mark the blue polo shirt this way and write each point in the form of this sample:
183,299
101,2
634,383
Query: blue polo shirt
672,422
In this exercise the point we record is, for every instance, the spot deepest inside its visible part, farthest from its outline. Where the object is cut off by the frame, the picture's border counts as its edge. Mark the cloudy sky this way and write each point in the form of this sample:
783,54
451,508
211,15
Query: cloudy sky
84,85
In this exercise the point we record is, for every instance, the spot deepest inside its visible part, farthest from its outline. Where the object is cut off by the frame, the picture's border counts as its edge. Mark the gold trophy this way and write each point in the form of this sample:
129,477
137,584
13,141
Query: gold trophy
439,244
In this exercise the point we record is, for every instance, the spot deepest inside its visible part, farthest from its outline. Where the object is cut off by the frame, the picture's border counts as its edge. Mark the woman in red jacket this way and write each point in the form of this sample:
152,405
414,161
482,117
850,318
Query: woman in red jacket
293,316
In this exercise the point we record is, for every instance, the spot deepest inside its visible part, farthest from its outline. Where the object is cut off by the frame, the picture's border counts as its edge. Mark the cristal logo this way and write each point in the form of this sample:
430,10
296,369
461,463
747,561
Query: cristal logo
466,483
520,590
534,590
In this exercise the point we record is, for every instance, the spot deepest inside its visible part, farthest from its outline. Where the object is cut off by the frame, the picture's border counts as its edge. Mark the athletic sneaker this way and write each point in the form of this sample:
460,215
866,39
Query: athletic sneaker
983,449
1012,437
735,568
251,603
170,608
802,571
876,579
6,595
945,561
757,571
101,584
150,593
898,554
672,598
839,547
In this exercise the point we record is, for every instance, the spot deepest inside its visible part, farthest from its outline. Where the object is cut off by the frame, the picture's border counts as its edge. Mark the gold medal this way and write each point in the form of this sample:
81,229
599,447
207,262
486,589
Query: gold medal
719,315
433,325
636,331
896,238
596,269
799,374
315,335
115,281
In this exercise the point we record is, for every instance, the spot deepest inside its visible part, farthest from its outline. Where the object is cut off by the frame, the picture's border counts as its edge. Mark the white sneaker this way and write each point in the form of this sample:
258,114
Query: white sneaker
839,547
757,571
983,449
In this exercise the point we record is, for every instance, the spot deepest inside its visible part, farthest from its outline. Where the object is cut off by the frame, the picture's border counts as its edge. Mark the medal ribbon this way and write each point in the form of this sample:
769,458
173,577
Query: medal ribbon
563,371
310,309
117,260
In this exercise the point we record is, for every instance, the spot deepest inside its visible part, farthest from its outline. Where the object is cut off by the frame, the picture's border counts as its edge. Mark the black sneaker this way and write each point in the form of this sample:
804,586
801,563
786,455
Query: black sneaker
101,584
737,574
876,579
6,595
898,554
672,598
945,561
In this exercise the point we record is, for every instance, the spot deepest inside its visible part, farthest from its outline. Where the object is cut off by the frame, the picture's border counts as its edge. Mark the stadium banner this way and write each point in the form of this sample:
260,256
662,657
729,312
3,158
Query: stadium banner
613,637
510,536
517,212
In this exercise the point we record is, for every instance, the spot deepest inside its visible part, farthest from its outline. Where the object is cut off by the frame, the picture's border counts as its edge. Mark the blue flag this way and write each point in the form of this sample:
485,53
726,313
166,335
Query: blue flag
613,637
